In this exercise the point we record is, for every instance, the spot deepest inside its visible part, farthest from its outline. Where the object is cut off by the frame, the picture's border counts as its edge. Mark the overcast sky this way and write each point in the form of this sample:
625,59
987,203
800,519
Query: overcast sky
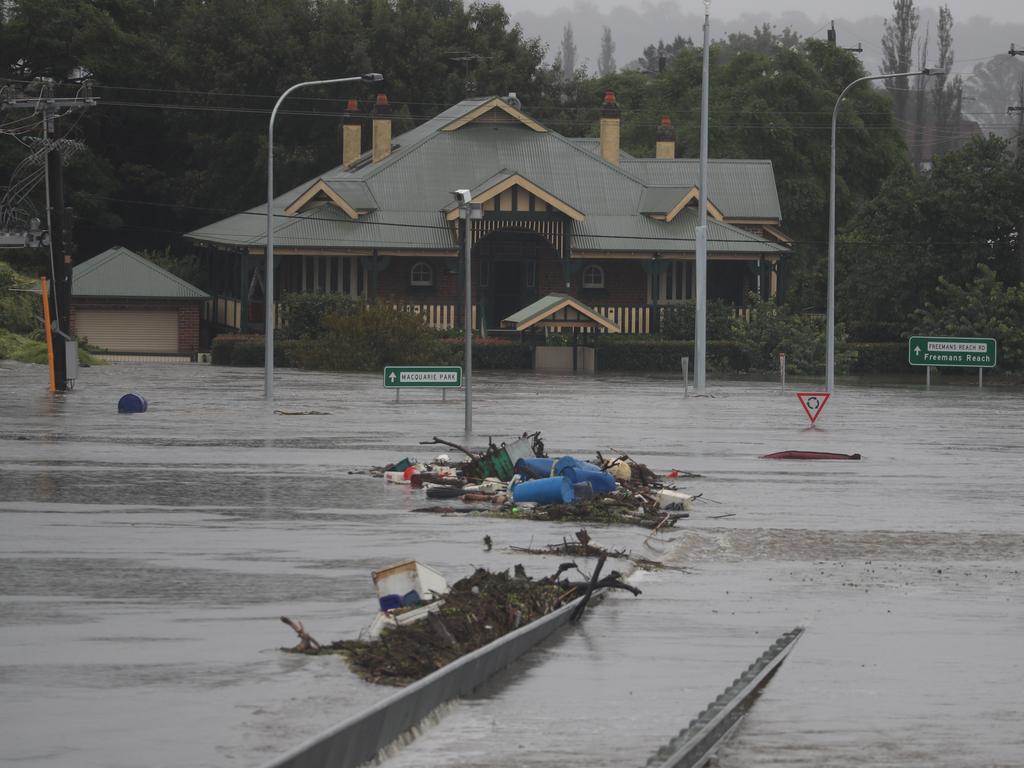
1006,10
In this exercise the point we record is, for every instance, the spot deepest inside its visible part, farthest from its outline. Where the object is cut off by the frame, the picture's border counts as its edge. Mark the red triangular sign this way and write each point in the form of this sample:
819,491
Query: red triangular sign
813,403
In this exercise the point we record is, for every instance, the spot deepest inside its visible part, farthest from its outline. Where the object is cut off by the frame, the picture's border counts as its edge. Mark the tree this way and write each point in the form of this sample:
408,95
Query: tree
568,53
606,61
984,308
993,86
656,57
898,52
969,210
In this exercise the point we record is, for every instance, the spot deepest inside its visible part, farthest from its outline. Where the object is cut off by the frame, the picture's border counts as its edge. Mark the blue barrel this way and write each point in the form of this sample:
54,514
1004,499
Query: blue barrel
600,481
133,402
534,467
583,490
564,463
550,490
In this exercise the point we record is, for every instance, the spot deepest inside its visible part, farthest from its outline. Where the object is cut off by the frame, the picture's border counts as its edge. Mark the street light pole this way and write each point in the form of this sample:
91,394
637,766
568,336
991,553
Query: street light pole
468,212
268,288
701,232
830,315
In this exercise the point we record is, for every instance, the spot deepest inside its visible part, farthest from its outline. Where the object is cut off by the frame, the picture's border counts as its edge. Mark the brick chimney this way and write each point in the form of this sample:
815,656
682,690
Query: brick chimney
610,115
665,145
351,134
381,115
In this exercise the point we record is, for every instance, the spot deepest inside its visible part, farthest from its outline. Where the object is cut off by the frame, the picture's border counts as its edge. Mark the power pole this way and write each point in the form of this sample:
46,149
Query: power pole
50,108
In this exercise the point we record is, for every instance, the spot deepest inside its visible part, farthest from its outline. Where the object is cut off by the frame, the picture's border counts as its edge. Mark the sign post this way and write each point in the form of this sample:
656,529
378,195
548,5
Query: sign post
951,352
813,403
443,377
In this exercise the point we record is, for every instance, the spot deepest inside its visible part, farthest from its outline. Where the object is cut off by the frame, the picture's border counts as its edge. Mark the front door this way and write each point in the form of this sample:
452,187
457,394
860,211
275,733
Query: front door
506,290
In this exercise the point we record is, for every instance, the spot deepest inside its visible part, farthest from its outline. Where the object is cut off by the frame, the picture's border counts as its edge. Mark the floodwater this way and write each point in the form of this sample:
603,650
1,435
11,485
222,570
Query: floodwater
145,560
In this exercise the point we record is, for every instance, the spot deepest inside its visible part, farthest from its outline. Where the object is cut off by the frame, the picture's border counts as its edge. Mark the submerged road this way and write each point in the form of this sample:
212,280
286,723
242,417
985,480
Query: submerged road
144,561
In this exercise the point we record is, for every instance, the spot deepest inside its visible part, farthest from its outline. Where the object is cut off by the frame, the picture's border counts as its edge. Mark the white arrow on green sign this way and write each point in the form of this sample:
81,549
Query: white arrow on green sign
399,376
952,351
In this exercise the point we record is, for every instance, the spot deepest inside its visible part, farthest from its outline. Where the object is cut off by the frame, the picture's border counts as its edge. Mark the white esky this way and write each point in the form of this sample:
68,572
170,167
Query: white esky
1001,10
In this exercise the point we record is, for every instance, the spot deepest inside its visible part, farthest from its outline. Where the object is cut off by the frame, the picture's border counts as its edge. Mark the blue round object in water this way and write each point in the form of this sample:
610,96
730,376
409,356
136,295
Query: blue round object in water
133,402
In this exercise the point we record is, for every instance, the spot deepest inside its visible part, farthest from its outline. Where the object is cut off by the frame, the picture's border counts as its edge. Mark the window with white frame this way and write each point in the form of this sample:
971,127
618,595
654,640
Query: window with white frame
593,276
421,274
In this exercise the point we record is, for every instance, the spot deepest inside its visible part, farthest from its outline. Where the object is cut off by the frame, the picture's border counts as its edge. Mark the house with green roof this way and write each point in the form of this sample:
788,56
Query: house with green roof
560,215
124,303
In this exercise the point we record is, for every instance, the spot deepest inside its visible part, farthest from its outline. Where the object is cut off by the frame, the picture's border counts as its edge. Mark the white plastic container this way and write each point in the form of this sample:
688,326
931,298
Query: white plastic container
667,496
397,584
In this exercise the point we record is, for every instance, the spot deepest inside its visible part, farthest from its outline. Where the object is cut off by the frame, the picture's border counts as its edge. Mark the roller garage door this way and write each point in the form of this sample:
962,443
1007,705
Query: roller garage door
129,330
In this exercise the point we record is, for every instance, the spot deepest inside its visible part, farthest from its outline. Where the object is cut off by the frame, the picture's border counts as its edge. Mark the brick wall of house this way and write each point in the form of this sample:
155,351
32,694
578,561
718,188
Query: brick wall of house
625,283
188,328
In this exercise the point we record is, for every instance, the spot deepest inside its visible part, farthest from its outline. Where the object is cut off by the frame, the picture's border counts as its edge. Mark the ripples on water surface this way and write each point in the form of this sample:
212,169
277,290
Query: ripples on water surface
144,561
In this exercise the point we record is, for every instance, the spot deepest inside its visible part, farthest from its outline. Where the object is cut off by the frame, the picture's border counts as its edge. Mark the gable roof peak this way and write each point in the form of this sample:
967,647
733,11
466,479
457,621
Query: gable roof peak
484,111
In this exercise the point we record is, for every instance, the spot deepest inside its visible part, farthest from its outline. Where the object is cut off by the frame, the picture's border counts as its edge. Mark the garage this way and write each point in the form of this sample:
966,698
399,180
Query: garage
125,304
129,329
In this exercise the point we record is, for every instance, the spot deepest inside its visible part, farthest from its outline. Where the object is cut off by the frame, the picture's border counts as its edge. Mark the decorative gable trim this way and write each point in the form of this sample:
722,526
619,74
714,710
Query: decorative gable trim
559,311
320,189
692,196
515,180
489,106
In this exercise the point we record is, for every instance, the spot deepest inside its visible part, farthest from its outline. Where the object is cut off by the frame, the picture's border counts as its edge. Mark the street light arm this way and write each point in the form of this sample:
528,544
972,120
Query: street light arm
268,287
830,315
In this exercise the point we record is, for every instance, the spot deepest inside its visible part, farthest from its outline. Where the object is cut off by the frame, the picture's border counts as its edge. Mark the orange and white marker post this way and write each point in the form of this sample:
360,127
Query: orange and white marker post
49,333
813,403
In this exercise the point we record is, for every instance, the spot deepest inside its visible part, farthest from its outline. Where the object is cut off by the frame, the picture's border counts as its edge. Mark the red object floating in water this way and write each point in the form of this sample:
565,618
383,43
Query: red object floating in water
811,455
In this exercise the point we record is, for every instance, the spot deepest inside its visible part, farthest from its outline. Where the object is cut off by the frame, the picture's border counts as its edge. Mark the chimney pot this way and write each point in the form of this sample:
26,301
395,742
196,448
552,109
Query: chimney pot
610,128
381,128
351,134
665,142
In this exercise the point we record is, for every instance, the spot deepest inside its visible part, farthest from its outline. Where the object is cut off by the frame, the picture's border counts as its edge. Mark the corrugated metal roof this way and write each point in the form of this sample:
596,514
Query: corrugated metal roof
355,193
593,146
639,234
553,308
118,273
741,189
413,187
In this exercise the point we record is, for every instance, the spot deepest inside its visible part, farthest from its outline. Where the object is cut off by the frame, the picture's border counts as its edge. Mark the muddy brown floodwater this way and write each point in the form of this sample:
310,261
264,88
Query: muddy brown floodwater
144,561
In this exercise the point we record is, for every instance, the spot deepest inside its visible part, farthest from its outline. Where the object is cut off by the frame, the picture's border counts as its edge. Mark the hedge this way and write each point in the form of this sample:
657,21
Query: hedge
247,350
879,357
664,355
492,354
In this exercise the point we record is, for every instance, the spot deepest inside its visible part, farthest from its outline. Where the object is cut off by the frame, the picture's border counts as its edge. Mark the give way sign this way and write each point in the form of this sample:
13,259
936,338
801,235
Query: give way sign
813,403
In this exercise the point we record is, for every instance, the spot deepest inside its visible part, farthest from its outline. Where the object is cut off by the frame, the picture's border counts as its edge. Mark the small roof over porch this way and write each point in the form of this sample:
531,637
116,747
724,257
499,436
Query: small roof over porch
558,310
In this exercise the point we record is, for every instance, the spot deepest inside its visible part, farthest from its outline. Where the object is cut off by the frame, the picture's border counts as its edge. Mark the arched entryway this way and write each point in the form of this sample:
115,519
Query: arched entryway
512,269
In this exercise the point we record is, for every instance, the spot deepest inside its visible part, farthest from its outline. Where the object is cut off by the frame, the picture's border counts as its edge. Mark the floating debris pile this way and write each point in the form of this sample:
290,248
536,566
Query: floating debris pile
519,480
477,610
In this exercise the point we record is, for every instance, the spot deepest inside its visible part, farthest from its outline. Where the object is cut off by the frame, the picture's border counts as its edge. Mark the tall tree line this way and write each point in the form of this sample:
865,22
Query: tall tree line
185,89
928,108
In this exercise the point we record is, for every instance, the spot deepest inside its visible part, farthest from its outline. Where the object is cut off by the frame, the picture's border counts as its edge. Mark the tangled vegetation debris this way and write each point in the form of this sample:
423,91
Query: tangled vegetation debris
478,609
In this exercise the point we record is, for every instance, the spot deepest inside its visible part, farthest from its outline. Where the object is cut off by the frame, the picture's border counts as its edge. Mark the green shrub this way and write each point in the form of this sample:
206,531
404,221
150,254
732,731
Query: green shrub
491,353
248,350
634,353
303,313
774,329
985,308
878,356
875,331
369,340
18,307
678,321
26,349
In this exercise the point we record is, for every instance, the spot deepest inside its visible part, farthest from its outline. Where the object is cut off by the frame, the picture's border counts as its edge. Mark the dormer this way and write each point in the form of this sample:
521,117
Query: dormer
665,203
510,192
352,197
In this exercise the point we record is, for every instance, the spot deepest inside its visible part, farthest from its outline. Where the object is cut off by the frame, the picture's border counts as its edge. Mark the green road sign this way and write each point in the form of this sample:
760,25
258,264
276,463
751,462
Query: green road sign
396,376
949,351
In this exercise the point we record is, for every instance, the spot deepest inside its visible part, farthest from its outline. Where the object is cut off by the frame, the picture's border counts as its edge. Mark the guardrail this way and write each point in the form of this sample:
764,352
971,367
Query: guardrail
362,737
